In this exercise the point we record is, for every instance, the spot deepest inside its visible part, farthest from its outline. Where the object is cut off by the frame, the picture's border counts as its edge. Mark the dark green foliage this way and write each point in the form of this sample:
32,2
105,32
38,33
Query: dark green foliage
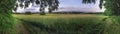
101,4
27,3
52,4
93,1
28,13
113,11
112,7
15,7
63,28
42,13
37,2
88,1
6,19
6,24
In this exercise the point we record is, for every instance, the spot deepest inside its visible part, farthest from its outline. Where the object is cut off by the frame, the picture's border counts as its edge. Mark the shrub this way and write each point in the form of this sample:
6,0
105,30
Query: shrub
42,13
6,23
28,13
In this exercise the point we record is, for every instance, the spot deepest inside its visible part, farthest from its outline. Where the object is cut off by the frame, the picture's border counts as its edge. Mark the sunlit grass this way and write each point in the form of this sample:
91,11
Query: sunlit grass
66,17
64,23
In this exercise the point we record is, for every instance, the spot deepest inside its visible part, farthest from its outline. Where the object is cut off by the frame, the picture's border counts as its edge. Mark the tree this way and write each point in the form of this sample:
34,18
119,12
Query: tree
93,1
112,7
6,18
52,4
88,1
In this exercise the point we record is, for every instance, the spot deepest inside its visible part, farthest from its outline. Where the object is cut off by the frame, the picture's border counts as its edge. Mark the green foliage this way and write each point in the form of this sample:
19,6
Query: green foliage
53,4
6,24
6,19
112,10
101,4
88,1
108,12
113,7
28,13
70,24
42,13
114,25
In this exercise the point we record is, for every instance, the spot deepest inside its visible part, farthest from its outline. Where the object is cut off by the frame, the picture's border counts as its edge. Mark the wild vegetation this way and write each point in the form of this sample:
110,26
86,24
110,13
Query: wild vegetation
53,23
112,7
6,19
68,24
51,4
61,23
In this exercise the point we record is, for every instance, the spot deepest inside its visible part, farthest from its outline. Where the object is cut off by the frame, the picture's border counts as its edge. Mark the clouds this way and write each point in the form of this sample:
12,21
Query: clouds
76,5
77,9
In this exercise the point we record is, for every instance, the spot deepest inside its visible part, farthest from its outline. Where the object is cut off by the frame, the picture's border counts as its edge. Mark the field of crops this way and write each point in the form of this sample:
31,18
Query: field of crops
66,24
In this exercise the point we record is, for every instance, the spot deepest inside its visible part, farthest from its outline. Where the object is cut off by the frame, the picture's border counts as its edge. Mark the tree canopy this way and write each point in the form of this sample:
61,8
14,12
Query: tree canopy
52,4
112,7
6,18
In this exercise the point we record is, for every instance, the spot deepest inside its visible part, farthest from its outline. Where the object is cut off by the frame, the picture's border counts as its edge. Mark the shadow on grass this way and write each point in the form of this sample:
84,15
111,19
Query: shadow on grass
37,28
62,28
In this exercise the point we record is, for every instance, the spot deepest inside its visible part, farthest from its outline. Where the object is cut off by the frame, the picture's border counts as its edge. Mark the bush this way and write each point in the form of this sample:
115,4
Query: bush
42,13
6,23
28,13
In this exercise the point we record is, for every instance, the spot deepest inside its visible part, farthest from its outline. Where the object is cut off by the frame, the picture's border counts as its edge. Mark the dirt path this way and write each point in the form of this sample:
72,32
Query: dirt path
20,29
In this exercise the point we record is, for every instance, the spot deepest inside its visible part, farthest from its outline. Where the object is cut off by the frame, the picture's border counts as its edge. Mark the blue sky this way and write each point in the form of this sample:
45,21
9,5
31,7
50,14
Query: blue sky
69,4
77,3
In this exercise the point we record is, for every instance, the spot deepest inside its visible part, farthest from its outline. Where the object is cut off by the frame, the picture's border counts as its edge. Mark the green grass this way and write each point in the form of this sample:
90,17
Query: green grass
66,23
52,18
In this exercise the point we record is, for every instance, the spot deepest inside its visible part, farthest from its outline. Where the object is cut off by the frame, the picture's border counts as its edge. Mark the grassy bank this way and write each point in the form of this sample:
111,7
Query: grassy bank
66,23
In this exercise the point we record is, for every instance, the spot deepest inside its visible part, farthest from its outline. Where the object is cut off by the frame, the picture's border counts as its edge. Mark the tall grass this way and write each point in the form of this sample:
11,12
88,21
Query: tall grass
7,23
114,27
68,24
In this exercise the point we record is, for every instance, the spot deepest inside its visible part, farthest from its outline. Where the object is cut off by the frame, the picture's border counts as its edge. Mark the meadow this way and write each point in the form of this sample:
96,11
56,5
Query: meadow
65,24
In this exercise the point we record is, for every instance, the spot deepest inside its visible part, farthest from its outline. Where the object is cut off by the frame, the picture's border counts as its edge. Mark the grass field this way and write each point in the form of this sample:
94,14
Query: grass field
66,24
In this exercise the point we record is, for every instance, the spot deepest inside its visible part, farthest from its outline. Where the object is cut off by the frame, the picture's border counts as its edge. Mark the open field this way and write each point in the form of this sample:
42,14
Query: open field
66,24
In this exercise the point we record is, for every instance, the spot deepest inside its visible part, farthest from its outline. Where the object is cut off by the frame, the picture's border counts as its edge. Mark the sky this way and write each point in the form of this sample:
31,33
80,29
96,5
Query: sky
76,3
69,4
